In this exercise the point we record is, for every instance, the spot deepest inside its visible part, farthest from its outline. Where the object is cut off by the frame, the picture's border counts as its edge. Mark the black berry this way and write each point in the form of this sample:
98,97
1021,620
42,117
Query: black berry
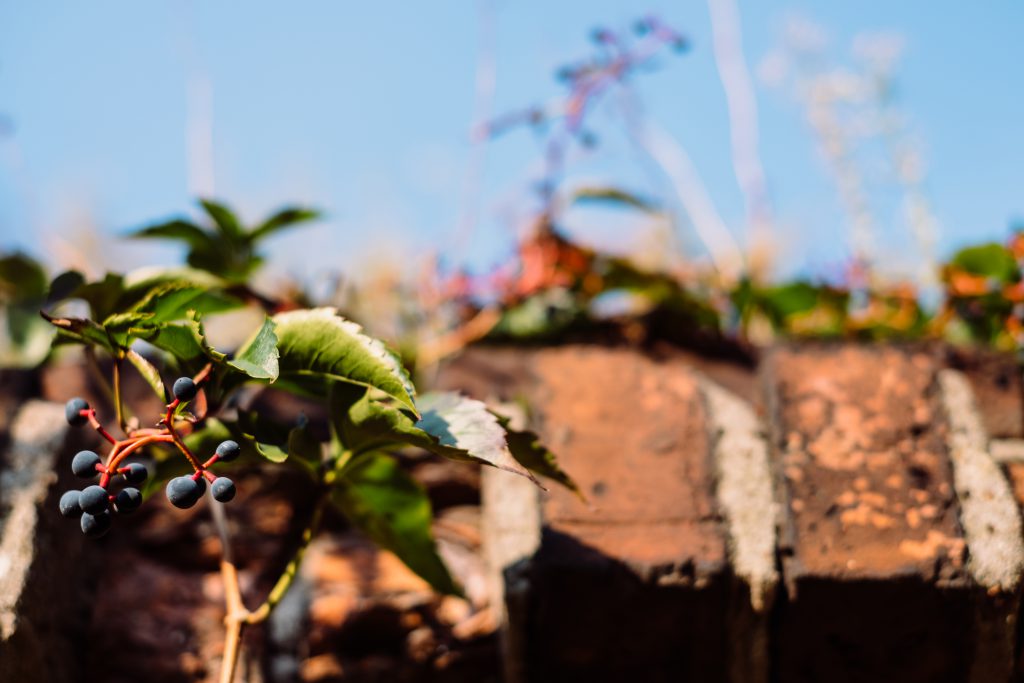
84,464
223,489
184,492
69,506
136,473
95,525
228,450
184,389
128,500
73,412
93,499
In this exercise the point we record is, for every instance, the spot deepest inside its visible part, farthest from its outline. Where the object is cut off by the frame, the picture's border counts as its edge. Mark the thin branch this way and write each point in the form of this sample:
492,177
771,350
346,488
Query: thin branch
97,373
287,577
743,124
235,611
118,398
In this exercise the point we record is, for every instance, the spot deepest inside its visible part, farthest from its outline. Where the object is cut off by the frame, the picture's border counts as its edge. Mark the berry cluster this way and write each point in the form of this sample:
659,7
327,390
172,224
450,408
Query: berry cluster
95,503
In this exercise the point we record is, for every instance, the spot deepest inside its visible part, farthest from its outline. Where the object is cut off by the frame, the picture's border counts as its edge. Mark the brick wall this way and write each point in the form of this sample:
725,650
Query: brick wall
838,513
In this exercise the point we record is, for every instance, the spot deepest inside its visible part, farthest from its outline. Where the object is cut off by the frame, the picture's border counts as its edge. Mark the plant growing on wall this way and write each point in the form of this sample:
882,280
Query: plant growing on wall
206,424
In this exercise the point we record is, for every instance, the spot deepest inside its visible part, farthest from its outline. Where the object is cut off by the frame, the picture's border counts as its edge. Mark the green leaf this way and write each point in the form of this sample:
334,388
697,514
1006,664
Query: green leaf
148,372
303,445
80,331
21,279
527,448
464,429
789,299
285,218
181,230
362,425
184,341
269,438
277,442
63,285
102,296
319,342
989,260
451,426
173,300
258,357
146,278
224,219
387,505
613,195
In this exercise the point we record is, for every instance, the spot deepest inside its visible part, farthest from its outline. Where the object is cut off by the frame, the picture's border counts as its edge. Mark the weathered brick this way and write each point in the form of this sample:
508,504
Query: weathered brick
874,556
43,580
637,584
996,380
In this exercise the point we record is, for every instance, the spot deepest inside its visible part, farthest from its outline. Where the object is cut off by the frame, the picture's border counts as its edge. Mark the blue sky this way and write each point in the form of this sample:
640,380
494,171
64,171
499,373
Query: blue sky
364,109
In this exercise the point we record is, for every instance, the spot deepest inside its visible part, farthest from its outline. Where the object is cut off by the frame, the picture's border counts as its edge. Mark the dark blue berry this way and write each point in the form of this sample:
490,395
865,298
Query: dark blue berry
223,489
84,464
184,492
69,506
93,499
184,389
73,412
136,473
228,450
95,525
128,500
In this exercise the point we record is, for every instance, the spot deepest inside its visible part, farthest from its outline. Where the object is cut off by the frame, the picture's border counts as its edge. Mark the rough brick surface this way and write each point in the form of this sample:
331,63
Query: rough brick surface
874,558
43,582
996,381
637,583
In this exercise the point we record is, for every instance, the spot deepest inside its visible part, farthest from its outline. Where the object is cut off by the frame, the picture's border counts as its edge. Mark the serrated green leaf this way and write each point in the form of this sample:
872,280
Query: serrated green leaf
451,426
465,429
185,341
259,356
528,449
285,218
173,300
386,504
148,372
320,342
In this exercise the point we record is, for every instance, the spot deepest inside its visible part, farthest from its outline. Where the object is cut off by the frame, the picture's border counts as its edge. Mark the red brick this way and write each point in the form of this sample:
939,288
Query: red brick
873,555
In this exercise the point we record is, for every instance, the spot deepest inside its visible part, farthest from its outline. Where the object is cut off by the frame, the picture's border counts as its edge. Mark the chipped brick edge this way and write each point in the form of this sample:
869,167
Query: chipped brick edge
989,513
744,495
992,528
36,436
511,536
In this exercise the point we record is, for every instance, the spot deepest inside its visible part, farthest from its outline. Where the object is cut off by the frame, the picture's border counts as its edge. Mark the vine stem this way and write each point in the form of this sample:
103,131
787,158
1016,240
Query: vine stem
118,399
234,619
237,617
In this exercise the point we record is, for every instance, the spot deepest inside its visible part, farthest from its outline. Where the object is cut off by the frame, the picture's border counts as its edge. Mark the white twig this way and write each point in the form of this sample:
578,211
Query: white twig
743,119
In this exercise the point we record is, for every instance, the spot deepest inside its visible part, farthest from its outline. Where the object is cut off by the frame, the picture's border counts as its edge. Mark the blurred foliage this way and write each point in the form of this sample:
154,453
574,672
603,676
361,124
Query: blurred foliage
225,247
